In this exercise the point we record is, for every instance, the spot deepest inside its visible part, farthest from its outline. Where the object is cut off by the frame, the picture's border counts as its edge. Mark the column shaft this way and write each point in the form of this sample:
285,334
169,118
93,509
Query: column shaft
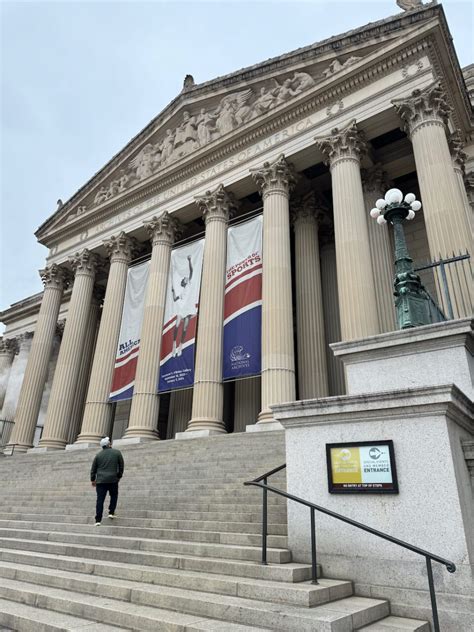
7,351
143,420
208,398
37,367
63,390
247,403
356,287
312,367
181,405
98,411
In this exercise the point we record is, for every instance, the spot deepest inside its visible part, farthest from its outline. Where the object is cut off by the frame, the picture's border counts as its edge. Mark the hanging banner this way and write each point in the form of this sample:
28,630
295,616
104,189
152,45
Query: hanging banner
129,339
243,301
180,322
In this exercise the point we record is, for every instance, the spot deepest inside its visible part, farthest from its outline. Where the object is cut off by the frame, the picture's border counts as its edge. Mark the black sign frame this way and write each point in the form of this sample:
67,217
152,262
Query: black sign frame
365,488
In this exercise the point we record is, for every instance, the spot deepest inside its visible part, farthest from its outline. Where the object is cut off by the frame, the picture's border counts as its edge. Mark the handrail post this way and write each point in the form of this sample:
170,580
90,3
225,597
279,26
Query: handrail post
434,608
264,524
314,566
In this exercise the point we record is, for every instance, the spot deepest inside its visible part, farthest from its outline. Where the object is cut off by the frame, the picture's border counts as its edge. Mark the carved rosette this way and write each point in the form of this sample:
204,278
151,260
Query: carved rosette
54,277
8,347
85,262
276,177
217,205
456,147
164,229
375,179
308,209
121,247
424,107
343,144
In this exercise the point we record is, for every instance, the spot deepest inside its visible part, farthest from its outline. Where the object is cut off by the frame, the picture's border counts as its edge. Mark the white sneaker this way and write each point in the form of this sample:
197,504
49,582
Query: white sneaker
97,524
111,516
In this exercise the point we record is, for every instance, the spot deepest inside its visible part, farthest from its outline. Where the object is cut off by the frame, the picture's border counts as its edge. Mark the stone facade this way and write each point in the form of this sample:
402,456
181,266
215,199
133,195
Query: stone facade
312,138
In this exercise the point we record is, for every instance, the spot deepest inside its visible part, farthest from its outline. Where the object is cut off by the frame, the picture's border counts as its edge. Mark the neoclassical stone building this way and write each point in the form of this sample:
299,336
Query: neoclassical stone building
311,139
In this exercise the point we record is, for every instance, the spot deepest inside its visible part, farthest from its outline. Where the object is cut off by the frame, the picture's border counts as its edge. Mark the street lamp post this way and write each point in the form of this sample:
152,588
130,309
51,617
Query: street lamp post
411,298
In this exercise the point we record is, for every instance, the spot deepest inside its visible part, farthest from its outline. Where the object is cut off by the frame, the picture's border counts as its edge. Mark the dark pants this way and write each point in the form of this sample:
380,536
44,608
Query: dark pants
102,489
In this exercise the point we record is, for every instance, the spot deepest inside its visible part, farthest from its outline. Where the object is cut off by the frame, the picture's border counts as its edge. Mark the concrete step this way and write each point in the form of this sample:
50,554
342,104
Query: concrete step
106,575
94,538
289,572
177,607
110,527
202,525
397,624
23,618
118,613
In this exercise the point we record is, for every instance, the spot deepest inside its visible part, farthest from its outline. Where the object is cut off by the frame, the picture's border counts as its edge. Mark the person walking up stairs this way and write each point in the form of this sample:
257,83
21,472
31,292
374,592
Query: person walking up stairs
106,472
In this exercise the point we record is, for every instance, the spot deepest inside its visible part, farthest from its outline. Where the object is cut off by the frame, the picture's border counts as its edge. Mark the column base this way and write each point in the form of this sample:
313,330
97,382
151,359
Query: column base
118,443
197,434
12,449
44,449
84,445
144,433
264,426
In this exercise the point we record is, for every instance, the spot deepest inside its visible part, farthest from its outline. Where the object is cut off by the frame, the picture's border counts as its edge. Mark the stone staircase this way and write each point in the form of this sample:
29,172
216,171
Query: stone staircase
182,555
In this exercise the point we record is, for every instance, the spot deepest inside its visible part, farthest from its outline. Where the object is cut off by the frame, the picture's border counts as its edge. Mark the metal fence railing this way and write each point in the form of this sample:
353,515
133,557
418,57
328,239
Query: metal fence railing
449,284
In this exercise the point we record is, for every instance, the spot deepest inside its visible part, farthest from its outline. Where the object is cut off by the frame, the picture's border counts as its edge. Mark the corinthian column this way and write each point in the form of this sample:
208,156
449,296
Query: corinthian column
374,183
63,390
143,420
7,351
36,370
98,412
208,397
275,181
312,368
425,115
356,287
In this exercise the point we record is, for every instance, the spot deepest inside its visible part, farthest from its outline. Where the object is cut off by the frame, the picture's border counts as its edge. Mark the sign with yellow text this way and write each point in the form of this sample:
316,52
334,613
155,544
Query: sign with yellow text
362,467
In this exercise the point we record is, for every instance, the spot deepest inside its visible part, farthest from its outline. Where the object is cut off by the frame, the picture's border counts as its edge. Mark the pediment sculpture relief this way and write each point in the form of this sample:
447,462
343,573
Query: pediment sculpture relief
197,130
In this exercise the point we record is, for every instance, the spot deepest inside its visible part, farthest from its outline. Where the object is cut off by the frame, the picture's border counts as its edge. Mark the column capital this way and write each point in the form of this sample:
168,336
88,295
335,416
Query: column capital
424,107
308,209
54,276
217,205
374,179
85,262
456,147
343,144
275,177
121,247
8,346
60,327
164,229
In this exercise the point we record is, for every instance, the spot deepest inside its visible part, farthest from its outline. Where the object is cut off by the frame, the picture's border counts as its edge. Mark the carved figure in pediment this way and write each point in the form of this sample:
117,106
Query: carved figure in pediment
242,108
285,91
265,101
225,116
205,123
142,163
167,146
185,139
302,81
336,65
101,195
81,210
113,189
123,181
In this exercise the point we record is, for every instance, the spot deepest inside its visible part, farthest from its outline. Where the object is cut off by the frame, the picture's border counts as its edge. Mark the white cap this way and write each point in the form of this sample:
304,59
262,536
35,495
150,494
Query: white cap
104,442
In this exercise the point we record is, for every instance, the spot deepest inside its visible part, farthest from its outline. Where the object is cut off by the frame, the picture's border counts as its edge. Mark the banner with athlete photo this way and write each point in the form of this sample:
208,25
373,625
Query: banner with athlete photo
130,330
243,300
180,321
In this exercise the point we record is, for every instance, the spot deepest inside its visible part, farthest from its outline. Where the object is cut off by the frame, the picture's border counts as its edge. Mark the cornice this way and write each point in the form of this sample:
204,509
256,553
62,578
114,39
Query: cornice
341,43
327,92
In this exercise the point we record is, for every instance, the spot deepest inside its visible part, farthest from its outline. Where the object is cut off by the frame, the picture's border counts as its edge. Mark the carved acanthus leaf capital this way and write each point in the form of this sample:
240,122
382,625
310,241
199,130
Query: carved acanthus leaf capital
122,247
60,327
8,346
423,107
309,208
85,262
164,229
375,180
54,276
218,204
343,144
277,176
456,147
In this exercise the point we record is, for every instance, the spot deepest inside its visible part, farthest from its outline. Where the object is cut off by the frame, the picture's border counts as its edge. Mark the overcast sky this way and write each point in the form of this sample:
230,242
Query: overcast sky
79,79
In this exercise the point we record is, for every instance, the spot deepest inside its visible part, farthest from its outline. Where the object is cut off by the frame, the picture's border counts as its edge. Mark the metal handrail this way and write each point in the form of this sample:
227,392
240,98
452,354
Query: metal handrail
450,566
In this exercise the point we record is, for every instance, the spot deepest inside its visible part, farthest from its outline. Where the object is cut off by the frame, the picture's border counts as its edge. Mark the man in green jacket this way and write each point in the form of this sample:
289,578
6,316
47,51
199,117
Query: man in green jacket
106,471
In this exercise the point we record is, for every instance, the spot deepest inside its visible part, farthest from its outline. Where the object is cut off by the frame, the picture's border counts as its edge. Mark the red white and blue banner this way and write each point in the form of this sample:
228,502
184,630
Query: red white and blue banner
130,330
243,301
180,321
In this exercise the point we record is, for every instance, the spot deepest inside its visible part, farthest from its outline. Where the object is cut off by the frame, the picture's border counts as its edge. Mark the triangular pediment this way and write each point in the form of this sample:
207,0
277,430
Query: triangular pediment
204,114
